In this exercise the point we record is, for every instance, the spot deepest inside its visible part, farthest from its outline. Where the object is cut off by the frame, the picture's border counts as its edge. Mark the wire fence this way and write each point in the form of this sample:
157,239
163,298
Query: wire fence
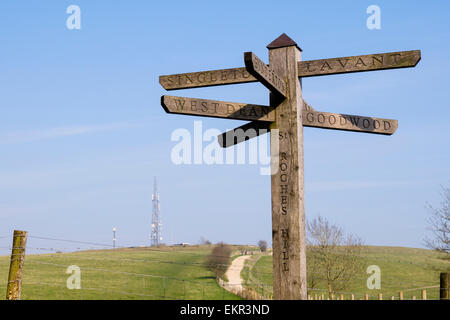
174,273
396,285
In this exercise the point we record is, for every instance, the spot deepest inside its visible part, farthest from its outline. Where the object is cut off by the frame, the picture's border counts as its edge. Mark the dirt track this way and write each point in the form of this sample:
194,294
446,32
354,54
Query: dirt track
234,272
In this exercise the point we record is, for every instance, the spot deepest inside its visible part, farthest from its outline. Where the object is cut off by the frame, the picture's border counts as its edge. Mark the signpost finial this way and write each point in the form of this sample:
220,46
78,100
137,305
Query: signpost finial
282,41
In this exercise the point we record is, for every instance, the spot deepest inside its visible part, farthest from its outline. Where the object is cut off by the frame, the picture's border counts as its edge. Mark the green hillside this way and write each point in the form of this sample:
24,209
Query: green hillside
402,269
135,273
178,273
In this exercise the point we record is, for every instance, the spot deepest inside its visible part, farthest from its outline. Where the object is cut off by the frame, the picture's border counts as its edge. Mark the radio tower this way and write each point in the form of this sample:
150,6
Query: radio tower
156,235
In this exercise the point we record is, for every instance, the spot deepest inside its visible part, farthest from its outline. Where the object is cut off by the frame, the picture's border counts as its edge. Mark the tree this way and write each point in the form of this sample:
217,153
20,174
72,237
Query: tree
262,245
219,259
204,241
439,224
333,256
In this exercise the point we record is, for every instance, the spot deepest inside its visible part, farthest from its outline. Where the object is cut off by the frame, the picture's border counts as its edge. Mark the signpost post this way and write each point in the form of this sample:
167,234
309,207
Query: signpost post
286,116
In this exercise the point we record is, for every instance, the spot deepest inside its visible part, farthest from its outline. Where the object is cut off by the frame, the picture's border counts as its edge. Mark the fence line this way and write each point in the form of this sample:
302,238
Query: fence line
117,246
197,288
258,291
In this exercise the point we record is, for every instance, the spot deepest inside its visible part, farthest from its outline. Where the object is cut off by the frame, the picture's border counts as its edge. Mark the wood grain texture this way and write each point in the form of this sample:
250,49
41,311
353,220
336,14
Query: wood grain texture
14,286
267,76
287,183
217,109
243,133
206,78
248,131
339,121
370,62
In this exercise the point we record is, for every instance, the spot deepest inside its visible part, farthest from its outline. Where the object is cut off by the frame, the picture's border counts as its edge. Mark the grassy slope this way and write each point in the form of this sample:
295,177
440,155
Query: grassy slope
125,274
401,269
176,273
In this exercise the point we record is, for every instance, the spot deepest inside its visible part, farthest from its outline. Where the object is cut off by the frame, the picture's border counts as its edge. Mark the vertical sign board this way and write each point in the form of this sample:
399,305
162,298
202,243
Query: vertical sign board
288,207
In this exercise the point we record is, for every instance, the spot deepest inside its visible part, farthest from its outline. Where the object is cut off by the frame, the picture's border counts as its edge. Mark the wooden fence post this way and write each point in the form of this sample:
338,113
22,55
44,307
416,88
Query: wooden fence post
445,286
16,265
424,294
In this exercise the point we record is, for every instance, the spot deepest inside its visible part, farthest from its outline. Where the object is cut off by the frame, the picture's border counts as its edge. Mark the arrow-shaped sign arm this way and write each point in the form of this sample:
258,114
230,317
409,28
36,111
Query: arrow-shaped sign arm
316,119
217,109
369,62
264,74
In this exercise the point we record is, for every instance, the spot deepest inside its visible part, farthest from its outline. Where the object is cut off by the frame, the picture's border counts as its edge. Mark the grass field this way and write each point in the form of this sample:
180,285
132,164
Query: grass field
404,269
178,273
135,273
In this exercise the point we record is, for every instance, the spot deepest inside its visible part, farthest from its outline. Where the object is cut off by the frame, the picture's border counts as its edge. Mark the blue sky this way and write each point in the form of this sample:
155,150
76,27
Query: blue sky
82,132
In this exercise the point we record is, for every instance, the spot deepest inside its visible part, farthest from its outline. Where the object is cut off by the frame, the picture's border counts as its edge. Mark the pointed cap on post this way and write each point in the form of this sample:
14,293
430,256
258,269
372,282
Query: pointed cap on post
282,41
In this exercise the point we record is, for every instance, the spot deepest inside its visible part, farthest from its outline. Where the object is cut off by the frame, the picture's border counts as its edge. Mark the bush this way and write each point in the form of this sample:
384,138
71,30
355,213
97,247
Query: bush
219,260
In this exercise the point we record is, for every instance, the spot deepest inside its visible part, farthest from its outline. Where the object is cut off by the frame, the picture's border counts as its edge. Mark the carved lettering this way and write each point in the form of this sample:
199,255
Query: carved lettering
360,61
366,123
188,78
376,124
389,60
201,77
320,118
264,74
343,64
325,63
395,57
179,103
220,109
308,65
332,119
379,59
354,120
348,122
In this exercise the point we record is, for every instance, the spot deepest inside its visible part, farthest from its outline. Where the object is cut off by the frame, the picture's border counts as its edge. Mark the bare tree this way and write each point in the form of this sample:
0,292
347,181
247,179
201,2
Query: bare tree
262,245
439,224
333,257
219,259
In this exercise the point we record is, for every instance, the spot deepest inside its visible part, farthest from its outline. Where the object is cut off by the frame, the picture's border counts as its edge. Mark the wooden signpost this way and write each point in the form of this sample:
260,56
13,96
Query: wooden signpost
286,116
265,74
